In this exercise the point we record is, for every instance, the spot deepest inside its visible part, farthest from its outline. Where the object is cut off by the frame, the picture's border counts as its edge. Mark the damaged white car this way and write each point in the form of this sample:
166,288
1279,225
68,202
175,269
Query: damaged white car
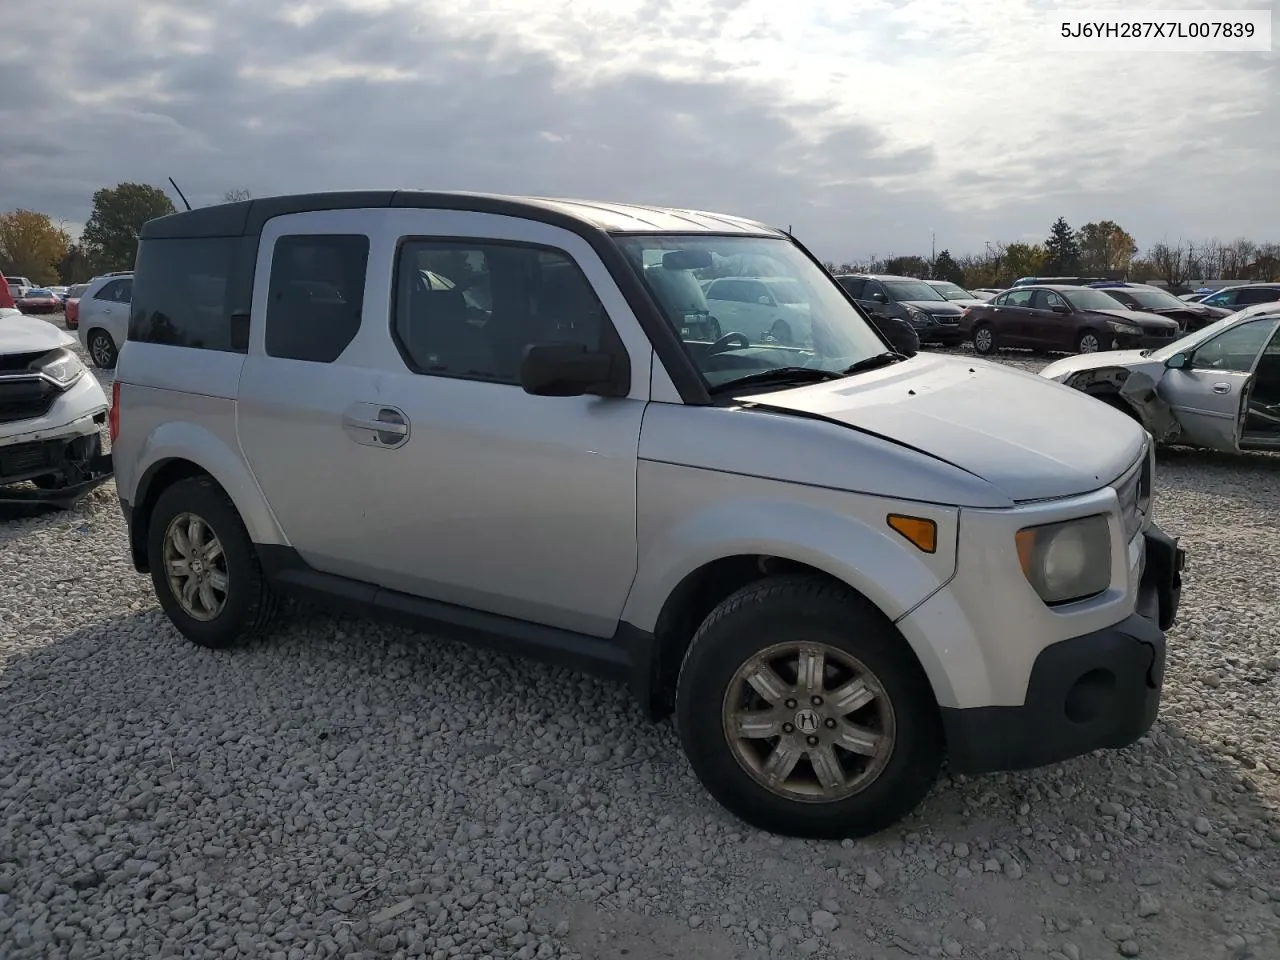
51,414
1217,388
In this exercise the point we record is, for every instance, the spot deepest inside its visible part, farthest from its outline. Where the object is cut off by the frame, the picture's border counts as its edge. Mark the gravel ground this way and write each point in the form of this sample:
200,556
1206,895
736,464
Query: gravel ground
346,789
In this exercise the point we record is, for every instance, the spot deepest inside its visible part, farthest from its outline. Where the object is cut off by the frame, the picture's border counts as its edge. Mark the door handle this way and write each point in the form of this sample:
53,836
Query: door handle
376,425
1221,388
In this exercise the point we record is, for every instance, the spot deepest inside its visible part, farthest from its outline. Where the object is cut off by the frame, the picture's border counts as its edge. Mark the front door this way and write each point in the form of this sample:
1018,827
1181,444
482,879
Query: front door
1209,396
1051,329
444,479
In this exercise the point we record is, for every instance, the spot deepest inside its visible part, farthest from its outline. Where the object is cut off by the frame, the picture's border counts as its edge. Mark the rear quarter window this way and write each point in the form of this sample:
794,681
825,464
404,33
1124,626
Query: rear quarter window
186,290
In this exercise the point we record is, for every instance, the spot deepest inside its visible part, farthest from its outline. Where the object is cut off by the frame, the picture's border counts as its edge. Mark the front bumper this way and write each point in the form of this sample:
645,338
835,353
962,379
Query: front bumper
1099,690
947,334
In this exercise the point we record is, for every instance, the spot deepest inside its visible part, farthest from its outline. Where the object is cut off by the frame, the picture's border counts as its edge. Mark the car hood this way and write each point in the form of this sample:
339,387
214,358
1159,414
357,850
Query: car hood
1141,318
968,303
22,334
1030,438
936,308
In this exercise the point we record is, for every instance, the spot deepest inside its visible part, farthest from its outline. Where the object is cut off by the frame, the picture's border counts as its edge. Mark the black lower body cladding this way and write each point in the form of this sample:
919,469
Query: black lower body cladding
1100,690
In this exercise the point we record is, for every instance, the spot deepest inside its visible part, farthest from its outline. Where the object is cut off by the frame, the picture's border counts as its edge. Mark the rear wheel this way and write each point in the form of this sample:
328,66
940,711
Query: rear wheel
804,713
102,349
984,339
204,567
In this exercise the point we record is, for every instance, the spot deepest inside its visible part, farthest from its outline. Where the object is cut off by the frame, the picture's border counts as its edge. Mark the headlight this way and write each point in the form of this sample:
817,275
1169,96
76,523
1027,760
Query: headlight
1119,327
62,366
1067,561
918,316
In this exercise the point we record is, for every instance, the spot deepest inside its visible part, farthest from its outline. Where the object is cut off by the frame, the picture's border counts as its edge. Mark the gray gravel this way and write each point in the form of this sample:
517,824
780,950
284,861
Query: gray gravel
348,789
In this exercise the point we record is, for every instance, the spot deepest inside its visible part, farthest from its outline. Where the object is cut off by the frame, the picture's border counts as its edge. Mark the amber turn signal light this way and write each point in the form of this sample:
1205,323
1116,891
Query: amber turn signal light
921,532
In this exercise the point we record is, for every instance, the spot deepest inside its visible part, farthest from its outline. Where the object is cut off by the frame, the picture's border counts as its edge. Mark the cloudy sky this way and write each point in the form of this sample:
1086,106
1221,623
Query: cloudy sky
864,124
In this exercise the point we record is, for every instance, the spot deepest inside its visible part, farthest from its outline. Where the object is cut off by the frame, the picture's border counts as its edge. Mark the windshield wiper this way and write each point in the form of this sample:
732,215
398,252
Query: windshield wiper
872,362
778,375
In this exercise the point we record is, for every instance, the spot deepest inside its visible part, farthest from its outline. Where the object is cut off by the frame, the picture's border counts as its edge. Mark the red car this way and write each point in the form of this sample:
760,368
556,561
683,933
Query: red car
71,305
6,298
39,300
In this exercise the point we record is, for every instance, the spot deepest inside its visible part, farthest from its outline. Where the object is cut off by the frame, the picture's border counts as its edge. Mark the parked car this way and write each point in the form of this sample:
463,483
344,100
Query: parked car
1218,387
103,317
18,286
764,539
1244,295
1140,296
51,415
71,306
1076,319
1058,281
986,293
934,319
954,293
39,300
7,301
760,308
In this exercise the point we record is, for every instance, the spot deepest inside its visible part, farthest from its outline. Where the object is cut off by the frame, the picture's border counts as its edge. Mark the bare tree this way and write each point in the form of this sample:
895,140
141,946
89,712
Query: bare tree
1170,262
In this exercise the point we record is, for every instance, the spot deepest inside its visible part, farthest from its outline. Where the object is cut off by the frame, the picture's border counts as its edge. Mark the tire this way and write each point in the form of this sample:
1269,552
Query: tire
102,349
248,604
1119,402
984,340
872,791
1089,341
781,332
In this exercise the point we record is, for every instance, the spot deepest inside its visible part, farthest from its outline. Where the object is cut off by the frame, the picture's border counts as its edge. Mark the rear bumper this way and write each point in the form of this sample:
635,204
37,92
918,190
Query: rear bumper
1099,690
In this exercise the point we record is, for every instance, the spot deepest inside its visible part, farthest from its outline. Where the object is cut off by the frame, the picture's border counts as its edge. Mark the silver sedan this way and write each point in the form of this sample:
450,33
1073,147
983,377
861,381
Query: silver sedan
1217,388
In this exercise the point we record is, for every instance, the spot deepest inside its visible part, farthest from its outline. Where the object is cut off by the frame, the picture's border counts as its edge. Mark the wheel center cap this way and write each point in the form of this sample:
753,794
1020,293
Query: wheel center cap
197,567
807,721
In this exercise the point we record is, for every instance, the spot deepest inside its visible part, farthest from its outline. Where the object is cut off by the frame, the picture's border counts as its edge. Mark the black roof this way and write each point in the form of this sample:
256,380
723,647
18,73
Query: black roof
246,217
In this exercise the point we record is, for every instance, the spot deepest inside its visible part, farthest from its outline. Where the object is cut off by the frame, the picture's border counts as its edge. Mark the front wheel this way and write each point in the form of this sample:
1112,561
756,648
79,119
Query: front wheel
804,712
1088,342
204,567
781,332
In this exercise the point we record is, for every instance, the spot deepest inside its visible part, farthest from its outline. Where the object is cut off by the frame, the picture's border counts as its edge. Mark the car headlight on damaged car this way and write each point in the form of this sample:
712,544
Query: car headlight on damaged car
1067,561
1119,326
61,366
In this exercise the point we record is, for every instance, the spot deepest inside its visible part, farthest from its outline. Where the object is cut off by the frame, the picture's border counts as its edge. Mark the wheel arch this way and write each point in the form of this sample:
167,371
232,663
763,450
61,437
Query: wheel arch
181,450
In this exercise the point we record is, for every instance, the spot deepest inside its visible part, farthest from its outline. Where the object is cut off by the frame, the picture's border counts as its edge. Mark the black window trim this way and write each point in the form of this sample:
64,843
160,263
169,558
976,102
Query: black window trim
611,340
271,275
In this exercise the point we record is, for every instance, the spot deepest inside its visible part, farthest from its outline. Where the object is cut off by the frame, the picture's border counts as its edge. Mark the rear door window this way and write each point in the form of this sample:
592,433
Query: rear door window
316,295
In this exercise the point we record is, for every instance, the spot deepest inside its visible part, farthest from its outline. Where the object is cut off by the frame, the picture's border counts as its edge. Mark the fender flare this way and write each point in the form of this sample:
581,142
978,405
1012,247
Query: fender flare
178,440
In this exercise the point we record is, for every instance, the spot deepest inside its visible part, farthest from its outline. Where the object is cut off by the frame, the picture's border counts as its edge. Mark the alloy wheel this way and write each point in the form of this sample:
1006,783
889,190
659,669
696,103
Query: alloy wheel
196,567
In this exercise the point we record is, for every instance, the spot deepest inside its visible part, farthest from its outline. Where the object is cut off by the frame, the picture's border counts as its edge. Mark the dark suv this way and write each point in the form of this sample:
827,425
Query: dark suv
934,318
1245,295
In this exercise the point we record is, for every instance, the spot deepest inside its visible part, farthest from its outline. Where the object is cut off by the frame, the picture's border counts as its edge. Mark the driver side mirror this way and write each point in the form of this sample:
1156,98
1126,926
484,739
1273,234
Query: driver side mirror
568,370
1179,361
1060,308
879,297
763,301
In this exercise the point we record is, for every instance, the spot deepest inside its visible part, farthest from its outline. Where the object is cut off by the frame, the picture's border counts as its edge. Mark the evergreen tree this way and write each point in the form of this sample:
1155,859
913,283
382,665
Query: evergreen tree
1063,249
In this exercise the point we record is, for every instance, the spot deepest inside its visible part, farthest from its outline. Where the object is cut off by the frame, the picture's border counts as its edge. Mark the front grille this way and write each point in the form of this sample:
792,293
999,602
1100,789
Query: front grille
26,458
948,320
24,398
20,361
1133,490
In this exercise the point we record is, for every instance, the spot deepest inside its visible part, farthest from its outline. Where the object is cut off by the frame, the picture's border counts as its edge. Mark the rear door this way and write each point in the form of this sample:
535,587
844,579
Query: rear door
1011,317
1210,396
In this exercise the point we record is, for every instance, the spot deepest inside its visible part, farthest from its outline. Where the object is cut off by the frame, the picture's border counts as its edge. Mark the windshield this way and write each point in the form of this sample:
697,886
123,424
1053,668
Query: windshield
952,292
912,290
1156,299
743,337
1085,298
784,291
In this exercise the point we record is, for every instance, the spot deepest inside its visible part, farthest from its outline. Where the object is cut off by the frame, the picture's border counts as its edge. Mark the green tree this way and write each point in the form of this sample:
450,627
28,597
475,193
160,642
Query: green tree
912,266
1104,247
1061,249
946,268
76,265
1023,260
119,212
31,246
